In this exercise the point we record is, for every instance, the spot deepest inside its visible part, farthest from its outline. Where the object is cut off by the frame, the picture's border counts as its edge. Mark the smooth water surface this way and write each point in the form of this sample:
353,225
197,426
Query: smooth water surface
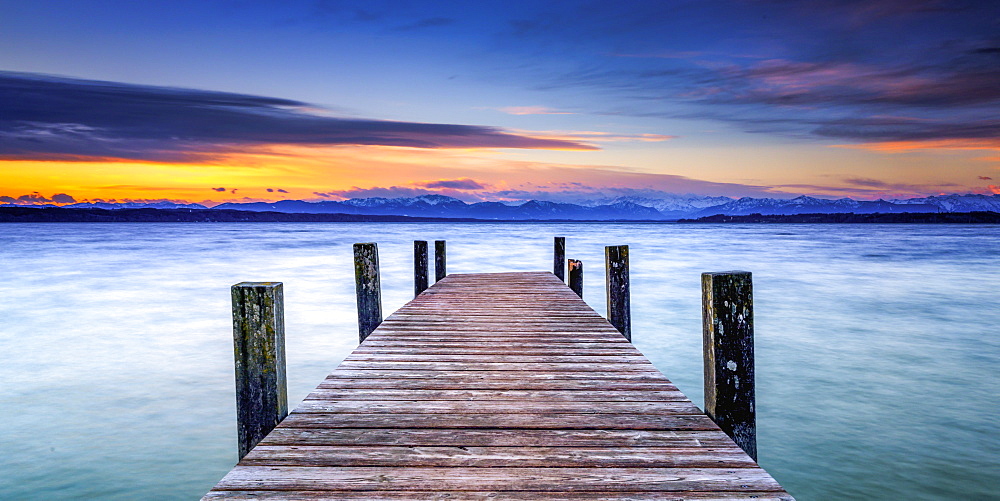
877,351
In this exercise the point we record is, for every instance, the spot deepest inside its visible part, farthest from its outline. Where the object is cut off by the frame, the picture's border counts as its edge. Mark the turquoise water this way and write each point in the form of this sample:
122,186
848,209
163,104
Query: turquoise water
877,352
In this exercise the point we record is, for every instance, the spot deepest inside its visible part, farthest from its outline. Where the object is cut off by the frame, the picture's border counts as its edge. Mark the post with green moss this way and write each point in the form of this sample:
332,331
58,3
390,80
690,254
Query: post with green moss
619,298
259,349
368,287
559,257
440,265
576,276
727,330
419,266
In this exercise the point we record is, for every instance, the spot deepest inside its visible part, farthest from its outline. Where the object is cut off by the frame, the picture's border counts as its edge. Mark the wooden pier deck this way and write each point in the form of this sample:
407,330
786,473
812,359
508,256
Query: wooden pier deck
497,386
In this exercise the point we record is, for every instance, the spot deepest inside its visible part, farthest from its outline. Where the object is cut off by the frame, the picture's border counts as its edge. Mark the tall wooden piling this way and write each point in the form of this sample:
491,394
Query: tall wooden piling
576,276
559,257
619,298
259,350
727,327
368,287
440,270
419,266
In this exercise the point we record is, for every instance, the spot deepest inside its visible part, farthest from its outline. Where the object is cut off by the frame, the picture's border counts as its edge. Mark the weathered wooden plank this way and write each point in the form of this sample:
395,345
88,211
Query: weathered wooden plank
567,479
438,495
496,375
476,349
429,341
458,383
415,342
326,393
500,337
672,422
503,437
521,359
459,334
512,320
503,406
501,457
498,366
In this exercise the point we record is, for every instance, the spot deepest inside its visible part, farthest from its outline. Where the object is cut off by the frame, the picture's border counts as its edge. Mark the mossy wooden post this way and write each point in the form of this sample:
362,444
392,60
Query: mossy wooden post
619,298
259,349
440,270
419,266
727,327
576,276
559,257
368,287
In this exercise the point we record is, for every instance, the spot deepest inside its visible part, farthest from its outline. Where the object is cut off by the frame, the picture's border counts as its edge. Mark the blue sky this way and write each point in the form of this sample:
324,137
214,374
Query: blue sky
550,99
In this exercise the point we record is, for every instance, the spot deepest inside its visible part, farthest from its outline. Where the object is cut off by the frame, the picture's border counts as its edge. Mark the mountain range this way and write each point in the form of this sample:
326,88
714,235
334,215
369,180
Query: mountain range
621,208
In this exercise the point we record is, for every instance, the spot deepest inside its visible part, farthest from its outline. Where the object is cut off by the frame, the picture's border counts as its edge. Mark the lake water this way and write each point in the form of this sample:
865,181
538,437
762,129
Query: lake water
877,347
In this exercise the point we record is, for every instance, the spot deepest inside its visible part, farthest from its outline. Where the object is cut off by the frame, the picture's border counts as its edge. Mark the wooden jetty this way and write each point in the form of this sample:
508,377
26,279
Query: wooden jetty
497,386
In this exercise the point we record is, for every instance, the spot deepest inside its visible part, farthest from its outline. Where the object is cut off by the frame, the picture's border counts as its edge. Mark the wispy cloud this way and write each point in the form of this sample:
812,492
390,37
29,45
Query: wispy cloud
456,184
927,144
50,118
533,110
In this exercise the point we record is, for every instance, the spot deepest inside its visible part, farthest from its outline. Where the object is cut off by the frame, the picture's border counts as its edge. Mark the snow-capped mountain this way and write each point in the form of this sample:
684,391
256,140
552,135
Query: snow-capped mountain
442,206
668,207
810,205
957,203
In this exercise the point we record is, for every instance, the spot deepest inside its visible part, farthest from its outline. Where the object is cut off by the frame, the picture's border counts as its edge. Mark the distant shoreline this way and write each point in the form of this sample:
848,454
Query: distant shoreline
148,215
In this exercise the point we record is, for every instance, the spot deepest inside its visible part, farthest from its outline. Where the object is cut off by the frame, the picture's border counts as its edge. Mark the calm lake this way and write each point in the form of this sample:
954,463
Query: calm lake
877,347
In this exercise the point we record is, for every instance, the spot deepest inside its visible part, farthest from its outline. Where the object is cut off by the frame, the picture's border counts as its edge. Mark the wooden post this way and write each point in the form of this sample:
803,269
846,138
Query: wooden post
559,257
439,260
727,327
419,266
259,349
576,276
368,287
619,298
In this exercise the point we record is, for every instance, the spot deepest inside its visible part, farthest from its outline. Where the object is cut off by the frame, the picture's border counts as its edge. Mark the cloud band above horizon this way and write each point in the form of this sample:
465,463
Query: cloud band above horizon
55,118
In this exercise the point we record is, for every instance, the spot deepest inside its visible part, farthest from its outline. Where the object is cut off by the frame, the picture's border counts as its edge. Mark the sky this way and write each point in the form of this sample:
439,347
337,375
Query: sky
214,101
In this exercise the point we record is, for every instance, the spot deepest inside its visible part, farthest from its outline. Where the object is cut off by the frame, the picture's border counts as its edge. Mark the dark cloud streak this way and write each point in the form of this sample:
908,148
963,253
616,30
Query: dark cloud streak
457,184
797,68
50,118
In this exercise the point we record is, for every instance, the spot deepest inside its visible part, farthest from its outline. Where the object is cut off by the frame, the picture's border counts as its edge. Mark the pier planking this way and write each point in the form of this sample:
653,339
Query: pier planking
497,386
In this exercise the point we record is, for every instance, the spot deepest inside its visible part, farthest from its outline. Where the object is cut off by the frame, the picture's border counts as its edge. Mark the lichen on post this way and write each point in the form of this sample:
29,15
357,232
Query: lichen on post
559,257
368,287
576,276
727,331
419,267
440,260
619,297
259,352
